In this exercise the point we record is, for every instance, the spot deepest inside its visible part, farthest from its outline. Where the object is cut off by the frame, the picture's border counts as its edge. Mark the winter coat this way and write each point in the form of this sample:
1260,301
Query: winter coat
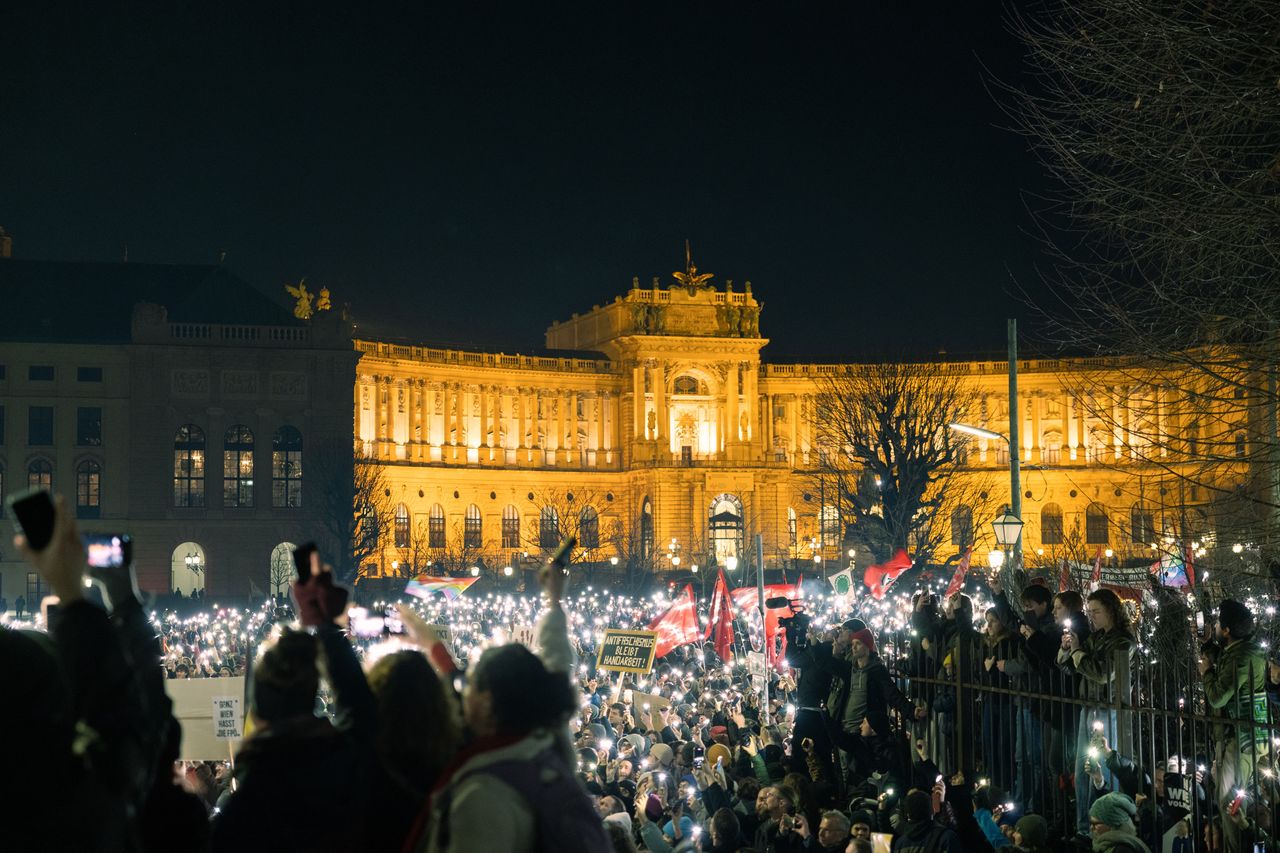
1118,841
1104,661
1237,686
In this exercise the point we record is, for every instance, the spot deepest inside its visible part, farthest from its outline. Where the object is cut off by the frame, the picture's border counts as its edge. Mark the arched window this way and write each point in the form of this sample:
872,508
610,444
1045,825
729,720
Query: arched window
472,528
435,527
188,466
646,531
281,570
510,527
88,489
962,526
589,528
1051,525
1095,525
1142,524
237,467
829,522
548,528
40,474
401,527
725,524
188,569
286,468
688,385
792,531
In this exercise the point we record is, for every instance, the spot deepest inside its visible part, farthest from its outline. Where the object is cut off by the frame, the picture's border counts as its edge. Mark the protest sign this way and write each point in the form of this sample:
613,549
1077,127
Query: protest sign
194,706
627,650
228,721
650,709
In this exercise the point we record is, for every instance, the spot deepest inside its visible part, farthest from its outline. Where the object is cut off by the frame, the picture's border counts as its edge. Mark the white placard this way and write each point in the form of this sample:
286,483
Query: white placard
228,719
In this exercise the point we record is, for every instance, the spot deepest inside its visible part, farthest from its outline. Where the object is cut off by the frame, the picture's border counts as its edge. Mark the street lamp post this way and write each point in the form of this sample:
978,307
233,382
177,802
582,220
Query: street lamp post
1015,453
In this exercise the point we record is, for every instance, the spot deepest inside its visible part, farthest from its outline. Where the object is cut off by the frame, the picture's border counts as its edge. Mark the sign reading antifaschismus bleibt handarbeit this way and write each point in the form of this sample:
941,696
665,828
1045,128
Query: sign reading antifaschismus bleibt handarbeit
627,651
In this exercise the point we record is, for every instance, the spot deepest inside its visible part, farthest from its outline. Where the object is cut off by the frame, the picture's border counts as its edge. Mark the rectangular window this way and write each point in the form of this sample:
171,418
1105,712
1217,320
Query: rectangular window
40,373
88,374
40,426
88,426
286,478
510,532
35,592
188,476
435,531
237,478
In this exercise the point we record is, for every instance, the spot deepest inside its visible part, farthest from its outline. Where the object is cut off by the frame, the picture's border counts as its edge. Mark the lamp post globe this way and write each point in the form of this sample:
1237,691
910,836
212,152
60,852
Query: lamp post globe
1008,529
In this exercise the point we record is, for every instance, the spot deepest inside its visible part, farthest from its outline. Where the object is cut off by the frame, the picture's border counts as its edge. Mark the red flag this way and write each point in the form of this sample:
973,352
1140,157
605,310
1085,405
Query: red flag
878,578
1097,569
747,599
720,623
679,625
1064,576
962,569
1189,564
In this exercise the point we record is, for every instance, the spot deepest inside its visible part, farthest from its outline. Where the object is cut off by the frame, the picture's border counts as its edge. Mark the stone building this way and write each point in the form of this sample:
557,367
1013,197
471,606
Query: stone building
660,431
176,404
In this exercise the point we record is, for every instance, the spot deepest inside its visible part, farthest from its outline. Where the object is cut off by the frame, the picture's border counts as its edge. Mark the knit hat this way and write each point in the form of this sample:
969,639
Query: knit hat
1113,808
662,754
719,751
866,638
637,743
1236,618
1034,830
862,816
686,827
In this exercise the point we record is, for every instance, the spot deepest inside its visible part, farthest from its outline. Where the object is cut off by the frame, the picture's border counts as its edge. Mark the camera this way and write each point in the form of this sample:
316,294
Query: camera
796,625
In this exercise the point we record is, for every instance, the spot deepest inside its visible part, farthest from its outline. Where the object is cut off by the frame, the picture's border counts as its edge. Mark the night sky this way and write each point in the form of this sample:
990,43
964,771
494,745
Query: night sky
468,173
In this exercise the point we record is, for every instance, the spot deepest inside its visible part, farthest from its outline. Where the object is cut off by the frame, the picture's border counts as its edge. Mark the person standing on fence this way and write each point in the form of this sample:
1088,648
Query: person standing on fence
1103,661
1236,686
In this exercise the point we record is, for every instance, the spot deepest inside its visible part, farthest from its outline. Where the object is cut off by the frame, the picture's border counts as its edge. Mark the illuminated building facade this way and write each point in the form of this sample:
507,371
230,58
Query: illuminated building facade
670,437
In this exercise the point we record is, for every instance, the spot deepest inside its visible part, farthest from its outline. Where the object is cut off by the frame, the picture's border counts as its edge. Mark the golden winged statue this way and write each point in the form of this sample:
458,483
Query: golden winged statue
302,308
691,278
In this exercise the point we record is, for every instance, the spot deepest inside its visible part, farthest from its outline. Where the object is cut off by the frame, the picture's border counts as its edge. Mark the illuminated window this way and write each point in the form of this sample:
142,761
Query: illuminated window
88,489
548,528
188,466
435,527
1142,524
286,468
237,467
1051,525
40,474
510,527
589,528
792,533
401,528
472,528
1096,527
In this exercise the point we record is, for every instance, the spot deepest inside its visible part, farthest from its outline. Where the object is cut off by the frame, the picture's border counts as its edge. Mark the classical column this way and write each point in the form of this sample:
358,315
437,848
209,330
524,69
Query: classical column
1082,414
660,404
793,415
731,402
807,415
766,409
750,393
637,400
653,384
483,392
460,414
521,417
1037,439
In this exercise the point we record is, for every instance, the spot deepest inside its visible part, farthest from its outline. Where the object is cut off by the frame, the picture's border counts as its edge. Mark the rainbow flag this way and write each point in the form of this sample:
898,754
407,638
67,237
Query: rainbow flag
423,585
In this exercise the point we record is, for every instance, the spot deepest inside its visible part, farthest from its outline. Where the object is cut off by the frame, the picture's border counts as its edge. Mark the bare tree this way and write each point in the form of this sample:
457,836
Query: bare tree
1160,124
356,511
562,513
887,462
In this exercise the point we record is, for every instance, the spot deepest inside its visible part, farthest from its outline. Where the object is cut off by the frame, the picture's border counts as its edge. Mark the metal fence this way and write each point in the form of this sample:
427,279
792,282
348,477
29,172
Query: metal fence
1049,740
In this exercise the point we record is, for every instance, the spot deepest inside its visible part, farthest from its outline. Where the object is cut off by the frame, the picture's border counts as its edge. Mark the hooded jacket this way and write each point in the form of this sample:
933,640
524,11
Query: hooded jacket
1237,686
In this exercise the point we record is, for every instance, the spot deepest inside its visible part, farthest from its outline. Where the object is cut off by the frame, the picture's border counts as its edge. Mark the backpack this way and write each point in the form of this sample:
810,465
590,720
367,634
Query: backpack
564,818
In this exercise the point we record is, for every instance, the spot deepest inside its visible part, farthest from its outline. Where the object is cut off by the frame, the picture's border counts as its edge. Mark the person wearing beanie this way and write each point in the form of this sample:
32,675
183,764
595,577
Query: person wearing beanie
1111,824
860,711
1235,688
1031,834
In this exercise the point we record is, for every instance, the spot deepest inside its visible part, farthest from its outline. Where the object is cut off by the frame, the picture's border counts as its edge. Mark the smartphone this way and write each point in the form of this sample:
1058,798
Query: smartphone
699,760
391,621
106,550
1200,621
33,516
302,560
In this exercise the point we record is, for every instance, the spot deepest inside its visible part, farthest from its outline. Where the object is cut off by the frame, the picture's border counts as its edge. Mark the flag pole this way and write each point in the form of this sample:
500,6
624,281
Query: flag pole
764,680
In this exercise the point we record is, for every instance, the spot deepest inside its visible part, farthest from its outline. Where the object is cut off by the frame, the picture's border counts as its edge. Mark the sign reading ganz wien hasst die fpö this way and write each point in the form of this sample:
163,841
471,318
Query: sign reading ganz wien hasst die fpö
627,651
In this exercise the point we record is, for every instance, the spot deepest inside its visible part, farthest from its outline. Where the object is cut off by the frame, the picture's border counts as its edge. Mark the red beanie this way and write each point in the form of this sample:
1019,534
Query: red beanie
866,638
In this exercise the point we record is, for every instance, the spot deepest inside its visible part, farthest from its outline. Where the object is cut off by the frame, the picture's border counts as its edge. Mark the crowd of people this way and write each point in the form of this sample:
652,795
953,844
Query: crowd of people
1007,715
